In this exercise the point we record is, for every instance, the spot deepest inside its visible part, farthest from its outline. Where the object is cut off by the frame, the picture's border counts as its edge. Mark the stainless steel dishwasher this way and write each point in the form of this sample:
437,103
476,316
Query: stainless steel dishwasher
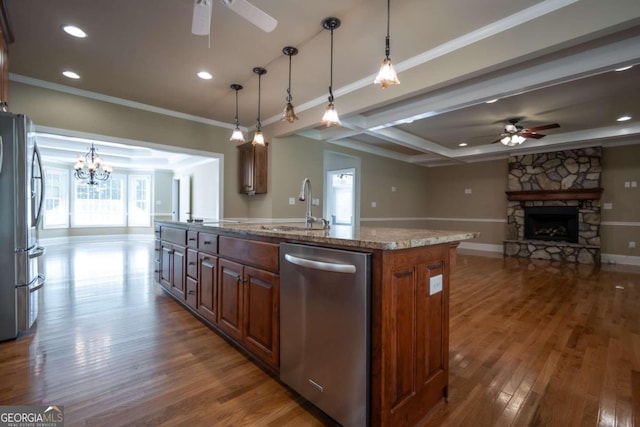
324,329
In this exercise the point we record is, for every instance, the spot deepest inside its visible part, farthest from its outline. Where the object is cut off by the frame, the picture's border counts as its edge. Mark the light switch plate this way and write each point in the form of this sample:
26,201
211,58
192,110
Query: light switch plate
435,284
634,184
607,206
467,191
374,204
292,200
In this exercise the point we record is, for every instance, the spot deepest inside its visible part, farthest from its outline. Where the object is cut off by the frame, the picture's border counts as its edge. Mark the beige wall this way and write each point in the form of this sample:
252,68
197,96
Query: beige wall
64,111
425,197
162,181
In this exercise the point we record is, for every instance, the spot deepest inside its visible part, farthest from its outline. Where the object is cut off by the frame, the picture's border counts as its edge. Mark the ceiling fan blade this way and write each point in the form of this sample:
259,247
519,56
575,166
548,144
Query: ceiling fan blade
545,127
252,14
201,23
532,135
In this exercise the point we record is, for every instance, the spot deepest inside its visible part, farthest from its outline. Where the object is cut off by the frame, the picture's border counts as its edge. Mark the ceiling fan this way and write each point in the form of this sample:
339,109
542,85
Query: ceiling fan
201,24
514,134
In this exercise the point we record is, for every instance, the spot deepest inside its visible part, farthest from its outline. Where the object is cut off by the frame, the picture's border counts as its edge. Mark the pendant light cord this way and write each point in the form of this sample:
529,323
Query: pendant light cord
387,49
331,72
289,97
259,125
237,108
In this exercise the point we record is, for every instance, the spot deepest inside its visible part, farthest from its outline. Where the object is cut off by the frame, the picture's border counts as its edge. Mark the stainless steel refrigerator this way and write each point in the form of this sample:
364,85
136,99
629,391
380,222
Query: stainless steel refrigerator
21,204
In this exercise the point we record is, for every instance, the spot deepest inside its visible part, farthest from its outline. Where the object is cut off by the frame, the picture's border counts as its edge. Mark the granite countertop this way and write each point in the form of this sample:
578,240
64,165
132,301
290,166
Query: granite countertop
385,238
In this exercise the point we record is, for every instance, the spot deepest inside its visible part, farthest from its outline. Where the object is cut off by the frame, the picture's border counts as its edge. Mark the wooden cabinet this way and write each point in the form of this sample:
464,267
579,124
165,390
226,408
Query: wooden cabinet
178,278
253,165
173,260
207,295
411,340
230,290
261,314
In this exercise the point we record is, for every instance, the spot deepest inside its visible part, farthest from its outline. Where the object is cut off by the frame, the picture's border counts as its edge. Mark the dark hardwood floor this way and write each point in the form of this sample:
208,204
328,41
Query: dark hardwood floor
532,343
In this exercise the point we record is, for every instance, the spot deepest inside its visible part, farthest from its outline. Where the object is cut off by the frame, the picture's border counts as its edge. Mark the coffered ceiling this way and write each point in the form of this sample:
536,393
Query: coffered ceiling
548,61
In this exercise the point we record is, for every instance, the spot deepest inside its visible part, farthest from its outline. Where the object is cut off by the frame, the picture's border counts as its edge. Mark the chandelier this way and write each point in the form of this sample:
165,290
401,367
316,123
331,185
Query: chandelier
91,169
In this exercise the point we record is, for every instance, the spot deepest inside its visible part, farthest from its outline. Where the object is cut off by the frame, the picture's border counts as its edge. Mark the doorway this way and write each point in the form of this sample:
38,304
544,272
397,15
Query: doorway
341,196
342,189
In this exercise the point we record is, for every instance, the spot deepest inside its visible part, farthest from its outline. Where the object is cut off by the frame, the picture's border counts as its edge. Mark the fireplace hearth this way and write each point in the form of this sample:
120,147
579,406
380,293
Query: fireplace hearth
551,223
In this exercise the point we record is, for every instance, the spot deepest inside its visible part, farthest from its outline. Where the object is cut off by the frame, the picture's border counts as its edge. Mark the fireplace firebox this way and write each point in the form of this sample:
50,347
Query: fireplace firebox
554,223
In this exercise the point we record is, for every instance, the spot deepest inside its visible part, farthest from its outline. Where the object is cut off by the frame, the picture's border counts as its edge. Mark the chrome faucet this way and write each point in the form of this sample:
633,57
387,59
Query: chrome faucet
305,195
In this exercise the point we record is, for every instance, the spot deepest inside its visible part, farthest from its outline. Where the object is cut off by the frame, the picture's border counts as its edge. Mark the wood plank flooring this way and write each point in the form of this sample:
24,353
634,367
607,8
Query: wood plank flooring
533,343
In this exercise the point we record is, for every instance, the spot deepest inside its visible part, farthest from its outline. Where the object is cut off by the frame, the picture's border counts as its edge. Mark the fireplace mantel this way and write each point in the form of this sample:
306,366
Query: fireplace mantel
576,194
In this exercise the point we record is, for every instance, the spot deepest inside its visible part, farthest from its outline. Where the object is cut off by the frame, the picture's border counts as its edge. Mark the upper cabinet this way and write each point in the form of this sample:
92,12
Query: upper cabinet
5,38
253,168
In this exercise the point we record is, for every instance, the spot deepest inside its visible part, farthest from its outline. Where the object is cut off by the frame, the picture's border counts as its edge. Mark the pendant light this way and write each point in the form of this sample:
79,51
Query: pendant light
237,135
387,75
258,138
330,117
288,114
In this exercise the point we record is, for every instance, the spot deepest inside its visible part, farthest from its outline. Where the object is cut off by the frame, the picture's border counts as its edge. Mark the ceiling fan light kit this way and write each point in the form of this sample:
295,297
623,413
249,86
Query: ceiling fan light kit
515,134
330,117
387,75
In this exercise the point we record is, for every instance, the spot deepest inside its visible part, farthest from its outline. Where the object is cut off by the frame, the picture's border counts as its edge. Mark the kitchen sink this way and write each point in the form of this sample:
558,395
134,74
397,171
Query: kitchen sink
289,228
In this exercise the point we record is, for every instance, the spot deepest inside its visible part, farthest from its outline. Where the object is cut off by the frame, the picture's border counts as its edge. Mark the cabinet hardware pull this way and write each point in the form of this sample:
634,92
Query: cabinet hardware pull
207,242
192,239
191,292
192,263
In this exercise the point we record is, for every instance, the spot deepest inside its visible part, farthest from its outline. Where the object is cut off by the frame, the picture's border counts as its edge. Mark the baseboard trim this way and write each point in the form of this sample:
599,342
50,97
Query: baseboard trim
485,247
99,238
619,259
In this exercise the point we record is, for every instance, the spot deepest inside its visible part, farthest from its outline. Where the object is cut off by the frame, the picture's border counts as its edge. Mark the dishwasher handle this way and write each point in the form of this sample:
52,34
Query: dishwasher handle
320,265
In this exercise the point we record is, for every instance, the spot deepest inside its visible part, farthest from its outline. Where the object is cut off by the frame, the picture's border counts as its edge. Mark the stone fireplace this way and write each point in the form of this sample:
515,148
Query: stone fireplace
554,206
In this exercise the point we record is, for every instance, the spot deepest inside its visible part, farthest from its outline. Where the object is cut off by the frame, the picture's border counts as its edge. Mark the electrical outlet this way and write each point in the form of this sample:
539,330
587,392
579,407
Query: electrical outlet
632,245
607,206
374,204
292,200
315,202
467,191
627,184
393,189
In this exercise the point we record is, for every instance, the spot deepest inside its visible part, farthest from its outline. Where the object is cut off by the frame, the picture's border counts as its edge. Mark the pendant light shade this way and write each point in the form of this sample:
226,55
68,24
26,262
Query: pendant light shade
289,114
237,135
258,138
387,75
330,117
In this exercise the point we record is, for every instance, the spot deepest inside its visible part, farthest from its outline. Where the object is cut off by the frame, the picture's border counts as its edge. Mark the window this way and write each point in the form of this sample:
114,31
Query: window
139,214
99,205
56,202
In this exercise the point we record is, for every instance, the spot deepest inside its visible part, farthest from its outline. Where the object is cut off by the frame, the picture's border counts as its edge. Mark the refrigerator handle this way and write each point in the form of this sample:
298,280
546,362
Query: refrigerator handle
37,159
37,252
1,153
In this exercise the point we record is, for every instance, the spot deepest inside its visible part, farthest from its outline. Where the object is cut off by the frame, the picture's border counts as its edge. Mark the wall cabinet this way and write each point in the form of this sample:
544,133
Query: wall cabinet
253,165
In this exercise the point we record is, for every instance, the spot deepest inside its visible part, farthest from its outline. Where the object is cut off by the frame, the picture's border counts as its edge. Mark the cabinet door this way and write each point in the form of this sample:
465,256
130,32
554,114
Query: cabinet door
207,292
191,292
230,296
178,274
261,314
166,265
192,263
246,168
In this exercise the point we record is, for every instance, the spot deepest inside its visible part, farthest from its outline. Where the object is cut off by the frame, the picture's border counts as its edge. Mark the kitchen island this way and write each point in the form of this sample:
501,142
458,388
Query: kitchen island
228,275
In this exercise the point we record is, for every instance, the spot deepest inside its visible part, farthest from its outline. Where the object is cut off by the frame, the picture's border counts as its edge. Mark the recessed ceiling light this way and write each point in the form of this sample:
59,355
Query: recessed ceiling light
491,101
71,74
623,118
74,31
624,68
205,75
463,144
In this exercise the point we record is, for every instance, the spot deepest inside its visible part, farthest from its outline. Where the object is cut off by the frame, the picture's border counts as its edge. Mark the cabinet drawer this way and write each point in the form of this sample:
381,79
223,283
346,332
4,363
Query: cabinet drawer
174,235
251,252
208,242
192,263
192,292
192,239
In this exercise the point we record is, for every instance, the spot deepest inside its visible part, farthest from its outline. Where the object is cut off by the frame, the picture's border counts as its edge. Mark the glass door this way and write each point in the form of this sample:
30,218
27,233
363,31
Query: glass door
340,186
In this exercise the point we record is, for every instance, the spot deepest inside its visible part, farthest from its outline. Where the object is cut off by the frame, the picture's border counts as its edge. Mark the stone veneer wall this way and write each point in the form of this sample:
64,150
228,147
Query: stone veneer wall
563,170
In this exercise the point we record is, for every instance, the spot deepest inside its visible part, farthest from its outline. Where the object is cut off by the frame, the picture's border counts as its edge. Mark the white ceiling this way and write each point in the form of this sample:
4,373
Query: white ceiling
548,61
